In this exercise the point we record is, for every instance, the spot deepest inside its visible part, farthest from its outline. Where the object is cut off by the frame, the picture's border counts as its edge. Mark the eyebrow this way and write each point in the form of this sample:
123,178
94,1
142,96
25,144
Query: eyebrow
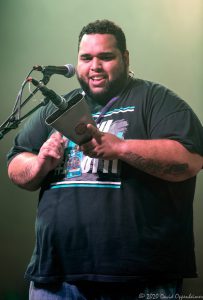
110,54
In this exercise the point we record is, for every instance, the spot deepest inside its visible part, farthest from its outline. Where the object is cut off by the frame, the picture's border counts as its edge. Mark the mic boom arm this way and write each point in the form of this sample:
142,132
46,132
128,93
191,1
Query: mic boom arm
13,121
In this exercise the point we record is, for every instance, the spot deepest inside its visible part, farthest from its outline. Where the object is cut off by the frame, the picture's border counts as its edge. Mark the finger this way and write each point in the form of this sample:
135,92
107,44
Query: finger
57,136
53,148
49,153
95,132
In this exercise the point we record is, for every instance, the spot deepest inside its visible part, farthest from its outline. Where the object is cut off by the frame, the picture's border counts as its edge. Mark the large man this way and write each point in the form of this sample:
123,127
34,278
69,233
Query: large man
119,222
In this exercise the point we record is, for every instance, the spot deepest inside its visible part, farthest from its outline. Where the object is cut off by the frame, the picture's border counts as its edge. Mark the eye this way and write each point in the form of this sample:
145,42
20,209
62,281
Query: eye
107,57
86,57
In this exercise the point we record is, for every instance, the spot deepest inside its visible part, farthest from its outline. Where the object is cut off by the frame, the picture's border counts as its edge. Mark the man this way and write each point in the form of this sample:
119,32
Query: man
120,227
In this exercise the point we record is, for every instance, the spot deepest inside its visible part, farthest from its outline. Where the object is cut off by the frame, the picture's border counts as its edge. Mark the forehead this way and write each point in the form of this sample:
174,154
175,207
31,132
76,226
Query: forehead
97,43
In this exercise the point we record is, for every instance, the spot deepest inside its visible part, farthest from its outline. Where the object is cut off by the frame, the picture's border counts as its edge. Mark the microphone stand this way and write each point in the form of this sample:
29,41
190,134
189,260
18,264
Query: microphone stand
13,121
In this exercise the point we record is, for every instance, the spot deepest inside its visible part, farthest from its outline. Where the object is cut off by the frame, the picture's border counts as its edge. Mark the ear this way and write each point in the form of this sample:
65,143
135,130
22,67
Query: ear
126,57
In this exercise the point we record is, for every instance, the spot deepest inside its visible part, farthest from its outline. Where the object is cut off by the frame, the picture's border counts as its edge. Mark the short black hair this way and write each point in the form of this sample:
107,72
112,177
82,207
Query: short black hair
105,27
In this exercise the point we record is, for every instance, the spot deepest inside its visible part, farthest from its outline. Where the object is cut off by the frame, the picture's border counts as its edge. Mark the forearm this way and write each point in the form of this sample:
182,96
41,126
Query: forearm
29,170
25,171
166,159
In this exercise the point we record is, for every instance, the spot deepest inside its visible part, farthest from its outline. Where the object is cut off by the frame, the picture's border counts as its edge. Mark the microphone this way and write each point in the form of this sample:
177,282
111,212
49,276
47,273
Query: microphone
66,70
57,100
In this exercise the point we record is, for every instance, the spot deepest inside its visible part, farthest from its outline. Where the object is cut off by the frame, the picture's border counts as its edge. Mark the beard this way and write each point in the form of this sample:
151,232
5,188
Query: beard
112,88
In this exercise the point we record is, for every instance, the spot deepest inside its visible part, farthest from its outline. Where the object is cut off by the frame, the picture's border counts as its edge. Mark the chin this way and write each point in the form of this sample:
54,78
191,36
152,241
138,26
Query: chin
97,91
99,97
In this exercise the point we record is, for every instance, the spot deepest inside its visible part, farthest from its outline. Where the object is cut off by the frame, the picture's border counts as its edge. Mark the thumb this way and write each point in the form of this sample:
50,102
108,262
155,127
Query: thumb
57,134
94,132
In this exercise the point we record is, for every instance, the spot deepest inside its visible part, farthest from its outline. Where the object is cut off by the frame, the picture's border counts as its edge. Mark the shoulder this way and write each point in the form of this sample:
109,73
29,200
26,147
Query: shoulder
35,130
155,94
149,85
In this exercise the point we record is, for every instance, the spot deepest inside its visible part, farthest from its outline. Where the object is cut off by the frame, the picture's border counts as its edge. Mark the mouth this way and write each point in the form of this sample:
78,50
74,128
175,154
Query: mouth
97,80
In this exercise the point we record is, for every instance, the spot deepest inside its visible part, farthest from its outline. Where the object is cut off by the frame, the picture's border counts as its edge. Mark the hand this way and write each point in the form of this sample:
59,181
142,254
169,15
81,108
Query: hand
52,151
102,145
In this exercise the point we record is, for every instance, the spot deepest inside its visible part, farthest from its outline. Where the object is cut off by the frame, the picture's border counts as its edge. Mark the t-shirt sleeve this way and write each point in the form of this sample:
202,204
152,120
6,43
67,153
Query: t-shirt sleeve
172,118
32,135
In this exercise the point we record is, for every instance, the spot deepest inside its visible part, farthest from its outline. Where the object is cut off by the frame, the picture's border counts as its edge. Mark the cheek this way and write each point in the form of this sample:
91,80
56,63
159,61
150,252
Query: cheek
115,71
82,70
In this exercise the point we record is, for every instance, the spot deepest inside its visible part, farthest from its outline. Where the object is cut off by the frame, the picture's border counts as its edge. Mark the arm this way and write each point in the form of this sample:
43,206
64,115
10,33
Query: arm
28,170
164,158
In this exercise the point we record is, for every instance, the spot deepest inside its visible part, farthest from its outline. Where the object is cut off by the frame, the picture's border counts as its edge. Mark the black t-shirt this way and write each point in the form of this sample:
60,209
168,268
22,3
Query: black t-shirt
105,220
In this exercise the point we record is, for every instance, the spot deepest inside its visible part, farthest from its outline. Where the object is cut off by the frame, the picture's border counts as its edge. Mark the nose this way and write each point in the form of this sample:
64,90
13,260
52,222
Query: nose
96,64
